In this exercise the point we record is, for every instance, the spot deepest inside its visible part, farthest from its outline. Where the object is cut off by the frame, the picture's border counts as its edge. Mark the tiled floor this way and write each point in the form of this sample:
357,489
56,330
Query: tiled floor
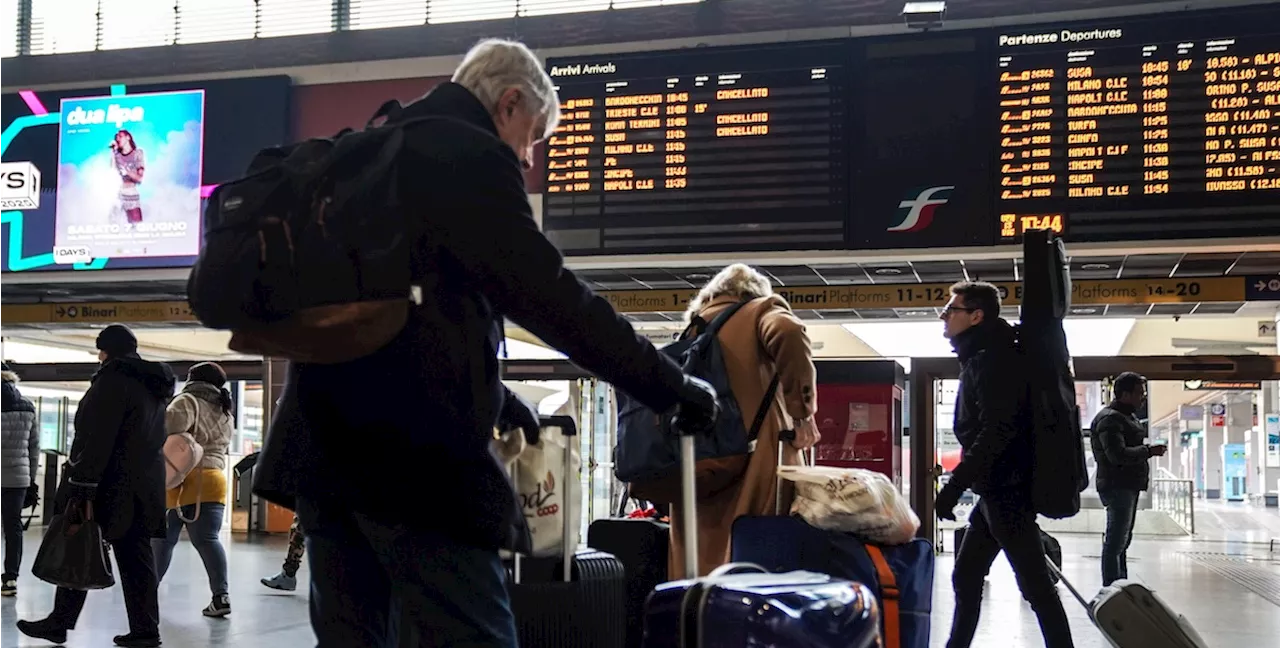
1225,611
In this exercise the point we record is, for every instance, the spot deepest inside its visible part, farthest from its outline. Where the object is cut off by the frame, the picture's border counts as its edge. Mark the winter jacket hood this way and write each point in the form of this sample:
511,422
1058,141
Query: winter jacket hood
156,377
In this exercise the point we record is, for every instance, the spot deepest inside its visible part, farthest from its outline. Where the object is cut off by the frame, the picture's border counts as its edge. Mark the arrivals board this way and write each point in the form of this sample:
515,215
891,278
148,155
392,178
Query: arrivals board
700,150
1145,129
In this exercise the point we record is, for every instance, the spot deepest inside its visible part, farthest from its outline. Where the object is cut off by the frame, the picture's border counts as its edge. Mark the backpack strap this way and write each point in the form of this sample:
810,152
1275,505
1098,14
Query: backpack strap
718,321
889,597
766,403
389,109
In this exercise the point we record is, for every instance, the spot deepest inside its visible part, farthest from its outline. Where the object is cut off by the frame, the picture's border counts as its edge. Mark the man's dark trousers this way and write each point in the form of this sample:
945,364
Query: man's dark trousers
371,582
1005,522
1122,512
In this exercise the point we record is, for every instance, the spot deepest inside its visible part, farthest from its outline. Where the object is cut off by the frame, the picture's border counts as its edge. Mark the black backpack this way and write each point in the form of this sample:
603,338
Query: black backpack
648,452
309,256
1060,474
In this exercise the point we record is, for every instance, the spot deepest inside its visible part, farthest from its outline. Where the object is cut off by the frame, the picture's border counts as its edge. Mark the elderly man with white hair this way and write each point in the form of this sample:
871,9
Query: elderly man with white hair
386,458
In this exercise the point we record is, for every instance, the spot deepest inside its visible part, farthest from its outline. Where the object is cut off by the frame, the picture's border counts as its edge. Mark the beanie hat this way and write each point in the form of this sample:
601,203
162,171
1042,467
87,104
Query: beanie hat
117,341
208,372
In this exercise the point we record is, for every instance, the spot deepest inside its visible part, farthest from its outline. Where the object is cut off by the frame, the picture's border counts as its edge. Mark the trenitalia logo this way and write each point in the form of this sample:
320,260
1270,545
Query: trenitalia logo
916,213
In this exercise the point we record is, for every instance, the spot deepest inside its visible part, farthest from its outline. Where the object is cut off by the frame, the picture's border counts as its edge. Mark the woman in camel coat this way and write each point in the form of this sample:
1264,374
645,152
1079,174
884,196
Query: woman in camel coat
762,338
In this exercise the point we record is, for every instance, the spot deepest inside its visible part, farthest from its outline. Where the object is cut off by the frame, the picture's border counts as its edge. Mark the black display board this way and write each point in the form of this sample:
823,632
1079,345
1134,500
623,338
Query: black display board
1114,130
700,150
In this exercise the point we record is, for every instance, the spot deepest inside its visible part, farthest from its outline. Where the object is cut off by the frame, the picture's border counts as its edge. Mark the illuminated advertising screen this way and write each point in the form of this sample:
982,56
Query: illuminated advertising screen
129,177
1159,128
116,177
700,150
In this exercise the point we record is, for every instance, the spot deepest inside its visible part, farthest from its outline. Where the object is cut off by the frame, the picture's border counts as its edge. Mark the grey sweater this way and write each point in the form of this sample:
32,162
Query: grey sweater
20,449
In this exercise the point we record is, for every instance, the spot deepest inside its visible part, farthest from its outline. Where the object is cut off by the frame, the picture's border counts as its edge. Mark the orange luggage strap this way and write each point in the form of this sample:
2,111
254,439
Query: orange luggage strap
889,595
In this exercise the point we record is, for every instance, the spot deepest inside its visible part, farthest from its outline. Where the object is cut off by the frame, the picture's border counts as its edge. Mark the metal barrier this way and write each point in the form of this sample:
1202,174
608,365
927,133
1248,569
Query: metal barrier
1176,497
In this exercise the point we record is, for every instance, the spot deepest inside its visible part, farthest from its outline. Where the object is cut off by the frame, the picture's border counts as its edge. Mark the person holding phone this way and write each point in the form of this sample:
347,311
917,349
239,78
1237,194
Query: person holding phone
1123,473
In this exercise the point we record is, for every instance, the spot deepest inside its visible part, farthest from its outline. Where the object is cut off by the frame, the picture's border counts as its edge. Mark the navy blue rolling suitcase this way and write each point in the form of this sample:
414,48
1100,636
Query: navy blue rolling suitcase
786,543
732,609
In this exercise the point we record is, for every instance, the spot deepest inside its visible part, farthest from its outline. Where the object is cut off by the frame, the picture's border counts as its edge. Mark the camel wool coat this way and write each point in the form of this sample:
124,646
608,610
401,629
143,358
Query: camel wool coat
761,338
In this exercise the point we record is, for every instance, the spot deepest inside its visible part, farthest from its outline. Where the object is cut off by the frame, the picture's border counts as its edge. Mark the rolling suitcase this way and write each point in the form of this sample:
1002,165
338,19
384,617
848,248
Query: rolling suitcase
732,609
901,576
1130,615
579,602
642,545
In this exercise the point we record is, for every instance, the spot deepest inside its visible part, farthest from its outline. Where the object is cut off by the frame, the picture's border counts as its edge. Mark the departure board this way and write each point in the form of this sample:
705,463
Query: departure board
699,150
1156,129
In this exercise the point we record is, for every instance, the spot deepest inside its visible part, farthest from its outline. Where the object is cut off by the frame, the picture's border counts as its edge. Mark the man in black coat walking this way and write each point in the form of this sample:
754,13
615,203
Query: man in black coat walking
116,469
1117,440
386,458
993,426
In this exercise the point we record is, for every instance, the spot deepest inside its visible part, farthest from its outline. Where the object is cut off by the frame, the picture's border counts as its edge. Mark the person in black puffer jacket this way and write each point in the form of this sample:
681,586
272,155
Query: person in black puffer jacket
993,425
117,466
21,461
1123,473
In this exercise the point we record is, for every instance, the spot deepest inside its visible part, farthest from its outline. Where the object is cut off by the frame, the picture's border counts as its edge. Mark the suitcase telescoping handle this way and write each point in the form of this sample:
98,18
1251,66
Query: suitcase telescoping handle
1053,569
569,539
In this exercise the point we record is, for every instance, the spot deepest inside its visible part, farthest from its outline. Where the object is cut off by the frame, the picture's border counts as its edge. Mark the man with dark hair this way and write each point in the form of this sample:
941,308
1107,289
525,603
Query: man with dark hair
993,426
1122,469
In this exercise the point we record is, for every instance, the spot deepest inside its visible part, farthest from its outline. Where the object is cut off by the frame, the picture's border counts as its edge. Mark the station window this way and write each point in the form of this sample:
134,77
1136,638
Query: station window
209,21
294,17
377,14
450,11
62,26
126,24
9,31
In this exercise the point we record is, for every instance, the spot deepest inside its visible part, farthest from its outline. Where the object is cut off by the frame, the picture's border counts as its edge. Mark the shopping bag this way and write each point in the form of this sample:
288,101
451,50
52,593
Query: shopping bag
861,502
73,554
542,488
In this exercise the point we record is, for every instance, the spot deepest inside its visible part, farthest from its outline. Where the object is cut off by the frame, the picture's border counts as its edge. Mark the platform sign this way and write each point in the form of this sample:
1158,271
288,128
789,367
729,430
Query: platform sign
935,295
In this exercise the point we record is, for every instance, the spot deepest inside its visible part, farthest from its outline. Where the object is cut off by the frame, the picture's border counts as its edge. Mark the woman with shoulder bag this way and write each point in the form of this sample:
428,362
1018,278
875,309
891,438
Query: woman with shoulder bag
205,411
764,340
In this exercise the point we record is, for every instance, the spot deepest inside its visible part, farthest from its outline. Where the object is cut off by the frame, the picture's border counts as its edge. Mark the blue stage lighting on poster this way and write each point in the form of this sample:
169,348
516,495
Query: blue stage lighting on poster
129,172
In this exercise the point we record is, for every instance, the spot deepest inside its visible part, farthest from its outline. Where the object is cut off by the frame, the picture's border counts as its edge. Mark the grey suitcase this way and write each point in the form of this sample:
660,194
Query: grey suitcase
1130,615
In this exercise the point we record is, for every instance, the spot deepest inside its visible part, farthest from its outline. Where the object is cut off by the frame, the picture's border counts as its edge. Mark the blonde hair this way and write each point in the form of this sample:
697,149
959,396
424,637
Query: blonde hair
739,280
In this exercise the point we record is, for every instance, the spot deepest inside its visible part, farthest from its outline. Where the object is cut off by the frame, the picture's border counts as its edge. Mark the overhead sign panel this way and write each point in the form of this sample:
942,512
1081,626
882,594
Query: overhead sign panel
1083,293
98,313
1138,129
699,150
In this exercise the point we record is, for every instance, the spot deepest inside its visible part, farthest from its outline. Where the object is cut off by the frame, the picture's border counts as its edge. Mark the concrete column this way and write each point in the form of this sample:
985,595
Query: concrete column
1214,436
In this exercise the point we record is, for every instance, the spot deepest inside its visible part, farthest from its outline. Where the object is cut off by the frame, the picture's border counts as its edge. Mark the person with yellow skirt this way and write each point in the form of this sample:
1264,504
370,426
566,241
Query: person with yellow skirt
205,410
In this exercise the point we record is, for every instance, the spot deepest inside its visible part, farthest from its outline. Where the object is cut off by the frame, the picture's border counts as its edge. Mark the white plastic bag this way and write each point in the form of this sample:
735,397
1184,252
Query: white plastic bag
541,485
862,502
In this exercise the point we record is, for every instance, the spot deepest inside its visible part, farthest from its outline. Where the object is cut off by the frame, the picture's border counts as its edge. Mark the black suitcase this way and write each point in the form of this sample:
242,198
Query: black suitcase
643,547
581,604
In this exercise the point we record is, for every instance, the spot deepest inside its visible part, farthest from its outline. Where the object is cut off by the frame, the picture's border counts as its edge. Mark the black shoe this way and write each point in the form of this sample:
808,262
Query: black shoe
44,629
136,640
219,607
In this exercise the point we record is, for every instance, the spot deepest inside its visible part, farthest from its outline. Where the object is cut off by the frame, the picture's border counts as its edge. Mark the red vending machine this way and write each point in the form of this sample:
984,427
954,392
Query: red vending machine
860,415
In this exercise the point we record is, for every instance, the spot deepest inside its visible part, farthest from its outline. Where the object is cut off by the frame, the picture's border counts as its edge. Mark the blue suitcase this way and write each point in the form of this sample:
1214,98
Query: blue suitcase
782,543
797,609
736,610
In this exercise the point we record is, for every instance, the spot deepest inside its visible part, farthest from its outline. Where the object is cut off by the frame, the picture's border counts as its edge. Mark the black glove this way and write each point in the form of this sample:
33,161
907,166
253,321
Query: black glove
697,409
946,502
518,413
33,496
